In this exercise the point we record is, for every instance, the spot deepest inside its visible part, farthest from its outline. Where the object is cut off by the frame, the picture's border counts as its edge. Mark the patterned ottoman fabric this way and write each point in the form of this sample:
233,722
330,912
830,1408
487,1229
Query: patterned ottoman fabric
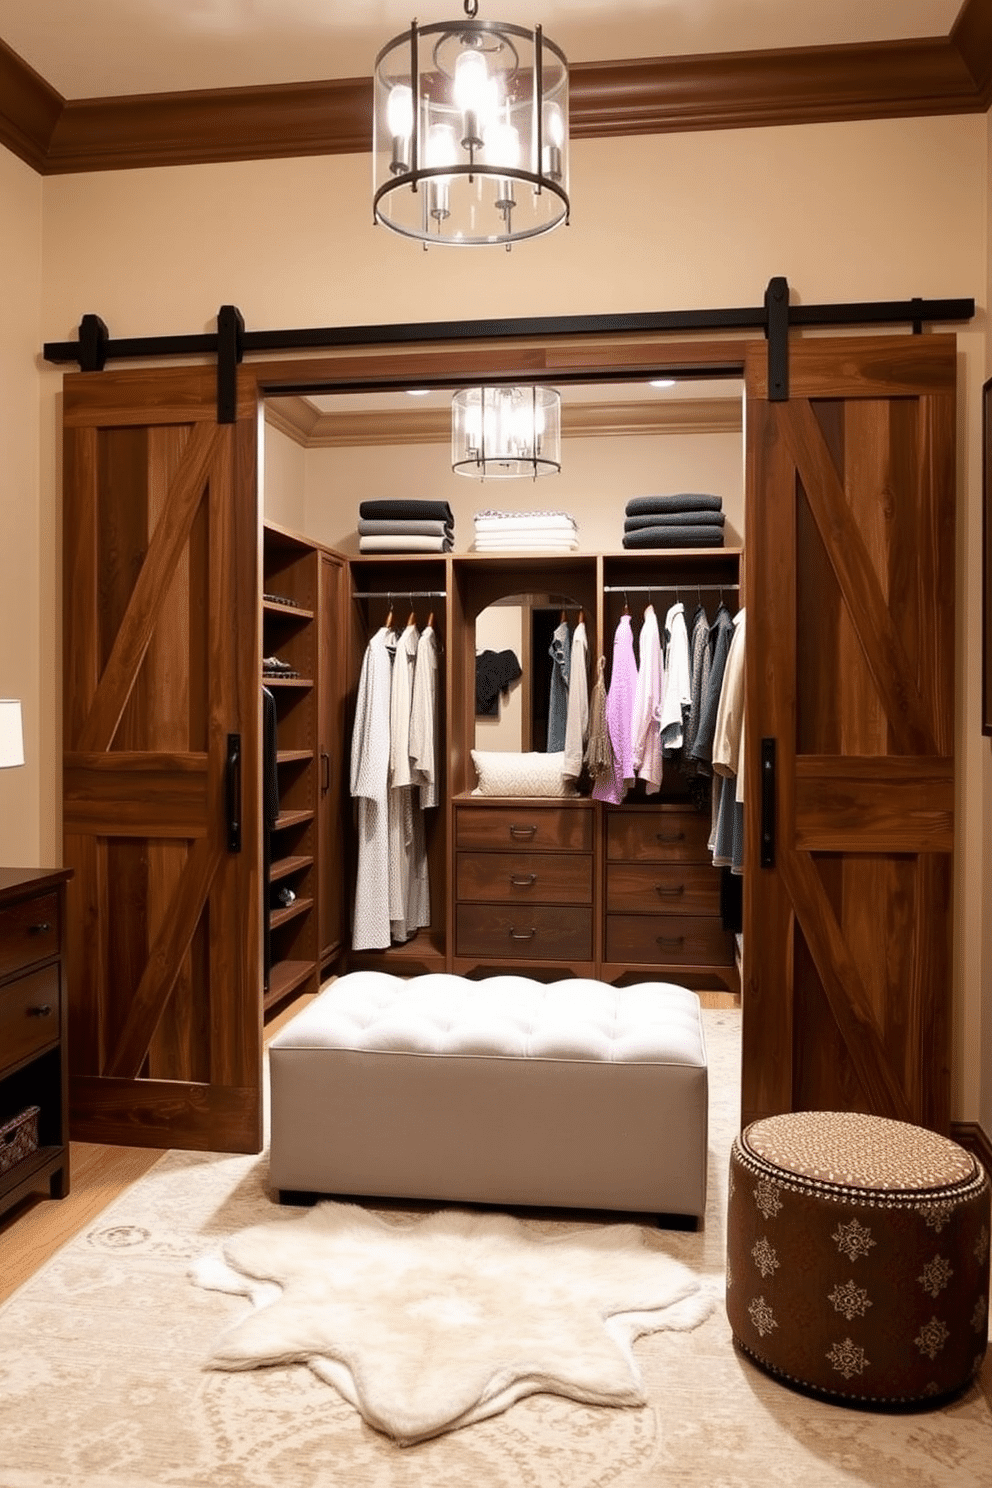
858,1256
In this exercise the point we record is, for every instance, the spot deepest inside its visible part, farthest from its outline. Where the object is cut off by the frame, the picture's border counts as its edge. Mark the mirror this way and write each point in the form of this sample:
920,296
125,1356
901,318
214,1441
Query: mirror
513,638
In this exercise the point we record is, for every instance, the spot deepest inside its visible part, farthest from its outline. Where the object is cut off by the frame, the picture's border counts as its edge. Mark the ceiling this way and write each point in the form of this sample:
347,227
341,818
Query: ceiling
103,48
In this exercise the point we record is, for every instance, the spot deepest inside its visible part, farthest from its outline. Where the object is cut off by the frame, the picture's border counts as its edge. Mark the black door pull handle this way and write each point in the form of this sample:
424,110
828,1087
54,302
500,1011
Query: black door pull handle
767,803
233,783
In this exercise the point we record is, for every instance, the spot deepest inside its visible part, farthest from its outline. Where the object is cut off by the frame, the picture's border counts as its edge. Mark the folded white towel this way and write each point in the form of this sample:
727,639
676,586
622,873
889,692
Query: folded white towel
526,522
403,543
526,541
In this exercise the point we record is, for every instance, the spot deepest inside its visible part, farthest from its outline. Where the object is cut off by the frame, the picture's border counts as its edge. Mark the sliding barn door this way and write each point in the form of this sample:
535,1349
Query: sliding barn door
849,679
161,658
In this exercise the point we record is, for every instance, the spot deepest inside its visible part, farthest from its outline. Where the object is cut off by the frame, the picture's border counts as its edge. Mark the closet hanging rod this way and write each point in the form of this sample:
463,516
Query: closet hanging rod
390,594
670,588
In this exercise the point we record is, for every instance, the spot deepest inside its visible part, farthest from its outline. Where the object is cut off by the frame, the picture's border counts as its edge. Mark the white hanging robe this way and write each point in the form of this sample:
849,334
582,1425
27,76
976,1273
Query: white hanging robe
370,784
647,705
407,854
423,719
678,681
577,717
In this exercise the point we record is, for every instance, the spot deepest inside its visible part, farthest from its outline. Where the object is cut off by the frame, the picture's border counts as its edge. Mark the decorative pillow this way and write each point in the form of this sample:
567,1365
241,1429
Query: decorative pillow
504,774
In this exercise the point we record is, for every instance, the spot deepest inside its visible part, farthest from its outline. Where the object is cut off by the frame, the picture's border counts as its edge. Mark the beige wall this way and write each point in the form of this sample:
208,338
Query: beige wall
26,592
597,477
883,210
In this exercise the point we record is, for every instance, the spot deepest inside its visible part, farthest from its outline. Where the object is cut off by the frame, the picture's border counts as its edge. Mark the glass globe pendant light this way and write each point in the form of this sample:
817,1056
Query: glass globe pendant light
470,133
501,432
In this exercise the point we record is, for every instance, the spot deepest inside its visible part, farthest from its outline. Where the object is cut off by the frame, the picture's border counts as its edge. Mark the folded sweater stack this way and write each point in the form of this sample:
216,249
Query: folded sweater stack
405,527
551,531
685,520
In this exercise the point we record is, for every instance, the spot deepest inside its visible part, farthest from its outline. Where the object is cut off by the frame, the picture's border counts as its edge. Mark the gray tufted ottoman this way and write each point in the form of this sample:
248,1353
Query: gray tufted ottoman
502,1091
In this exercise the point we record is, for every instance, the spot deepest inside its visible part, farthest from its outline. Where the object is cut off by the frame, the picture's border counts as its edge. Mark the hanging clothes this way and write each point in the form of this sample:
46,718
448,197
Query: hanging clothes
721,634
599,750
560,652
424,721
728,757
577,719
369,782
677,681
408,889
614,785
700,661
647,705
494,671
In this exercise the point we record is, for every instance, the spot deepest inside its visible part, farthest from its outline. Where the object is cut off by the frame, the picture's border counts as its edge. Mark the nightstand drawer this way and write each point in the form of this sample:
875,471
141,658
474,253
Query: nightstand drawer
525,932
29,932
687,940
29,1015
525,826
549,878
663,888
659,835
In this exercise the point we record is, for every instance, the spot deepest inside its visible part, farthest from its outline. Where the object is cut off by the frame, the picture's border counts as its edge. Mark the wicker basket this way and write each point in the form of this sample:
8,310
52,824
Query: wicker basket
18,1138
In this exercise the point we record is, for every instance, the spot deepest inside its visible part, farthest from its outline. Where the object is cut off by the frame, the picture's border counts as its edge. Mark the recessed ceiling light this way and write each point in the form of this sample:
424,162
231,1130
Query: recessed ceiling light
662,382
417,392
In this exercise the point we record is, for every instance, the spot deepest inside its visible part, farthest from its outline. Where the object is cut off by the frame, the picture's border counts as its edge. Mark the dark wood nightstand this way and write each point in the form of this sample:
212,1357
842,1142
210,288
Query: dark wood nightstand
33,1062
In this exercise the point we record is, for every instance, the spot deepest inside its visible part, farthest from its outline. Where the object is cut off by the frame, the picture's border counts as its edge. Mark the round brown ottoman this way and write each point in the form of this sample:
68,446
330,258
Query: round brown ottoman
858,1256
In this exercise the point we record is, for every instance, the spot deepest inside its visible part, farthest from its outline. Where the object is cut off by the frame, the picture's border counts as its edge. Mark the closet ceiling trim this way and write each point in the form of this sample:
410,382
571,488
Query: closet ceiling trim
313,428
732,90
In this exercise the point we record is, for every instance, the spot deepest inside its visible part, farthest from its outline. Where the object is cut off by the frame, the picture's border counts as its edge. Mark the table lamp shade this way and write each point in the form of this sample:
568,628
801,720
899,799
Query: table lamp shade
11,733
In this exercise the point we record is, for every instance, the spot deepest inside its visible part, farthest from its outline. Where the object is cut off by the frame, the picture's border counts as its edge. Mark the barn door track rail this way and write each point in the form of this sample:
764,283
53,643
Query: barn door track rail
231,342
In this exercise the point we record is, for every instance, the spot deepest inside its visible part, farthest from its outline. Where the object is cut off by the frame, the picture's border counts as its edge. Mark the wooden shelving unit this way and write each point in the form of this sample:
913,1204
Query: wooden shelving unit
289,633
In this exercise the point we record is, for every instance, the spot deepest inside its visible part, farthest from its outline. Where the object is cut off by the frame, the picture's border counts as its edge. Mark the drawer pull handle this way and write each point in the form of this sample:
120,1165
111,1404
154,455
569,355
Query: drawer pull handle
670,836
670,942
522,934
522,830
523,881
42,928
669,891
44,1010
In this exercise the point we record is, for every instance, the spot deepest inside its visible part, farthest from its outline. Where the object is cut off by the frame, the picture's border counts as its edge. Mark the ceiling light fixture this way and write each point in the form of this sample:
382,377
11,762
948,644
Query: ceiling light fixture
499,432
470,133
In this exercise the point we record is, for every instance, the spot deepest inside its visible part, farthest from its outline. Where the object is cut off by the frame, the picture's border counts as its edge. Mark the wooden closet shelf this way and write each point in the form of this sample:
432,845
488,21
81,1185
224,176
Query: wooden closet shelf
288,912
285,611
291,819
285,977
274,680
294,756
283,867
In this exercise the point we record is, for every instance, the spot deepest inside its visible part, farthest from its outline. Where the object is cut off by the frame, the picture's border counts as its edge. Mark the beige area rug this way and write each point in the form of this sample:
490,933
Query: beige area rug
436,1323
103,1384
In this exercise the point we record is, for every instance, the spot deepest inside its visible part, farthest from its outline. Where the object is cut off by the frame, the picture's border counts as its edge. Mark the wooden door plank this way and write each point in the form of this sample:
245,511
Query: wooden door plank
165,546
898,804
898,366
770,695
882,646
147,1113
131,794
845,991
81,668
164,961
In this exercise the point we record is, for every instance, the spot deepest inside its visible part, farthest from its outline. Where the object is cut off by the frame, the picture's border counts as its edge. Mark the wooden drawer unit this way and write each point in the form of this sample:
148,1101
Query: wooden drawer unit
658,834
528,827
30,1015
663,888
29,932
33,1065
524,884
663,898
550,878
534,932
670,940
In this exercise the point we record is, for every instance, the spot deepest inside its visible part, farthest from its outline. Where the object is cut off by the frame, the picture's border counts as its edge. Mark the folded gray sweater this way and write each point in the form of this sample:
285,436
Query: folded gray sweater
642,506
674,537
675,519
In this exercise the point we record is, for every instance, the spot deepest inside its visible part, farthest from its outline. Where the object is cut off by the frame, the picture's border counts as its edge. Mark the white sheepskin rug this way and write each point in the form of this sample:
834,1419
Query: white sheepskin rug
431,1325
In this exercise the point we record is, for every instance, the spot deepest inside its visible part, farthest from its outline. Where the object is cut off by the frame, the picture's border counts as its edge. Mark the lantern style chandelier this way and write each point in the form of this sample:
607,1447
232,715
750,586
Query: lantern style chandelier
470,132
499,432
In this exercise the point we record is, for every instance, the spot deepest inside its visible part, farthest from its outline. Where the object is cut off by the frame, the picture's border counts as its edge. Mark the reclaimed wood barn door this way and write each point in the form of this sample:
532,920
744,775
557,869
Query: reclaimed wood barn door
850,677
161,808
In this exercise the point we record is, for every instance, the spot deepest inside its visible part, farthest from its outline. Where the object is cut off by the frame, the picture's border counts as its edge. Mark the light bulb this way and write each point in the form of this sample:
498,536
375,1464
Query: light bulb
502,145
442,147
472,91
399,111
554,125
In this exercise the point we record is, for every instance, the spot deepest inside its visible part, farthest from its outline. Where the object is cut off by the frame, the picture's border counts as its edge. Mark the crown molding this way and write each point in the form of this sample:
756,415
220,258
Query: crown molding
307,426
732,90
